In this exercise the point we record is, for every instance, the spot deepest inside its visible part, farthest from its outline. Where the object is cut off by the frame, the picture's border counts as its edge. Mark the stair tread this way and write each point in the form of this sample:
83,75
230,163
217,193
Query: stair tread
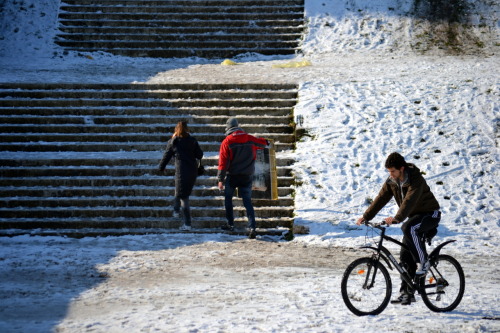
78,233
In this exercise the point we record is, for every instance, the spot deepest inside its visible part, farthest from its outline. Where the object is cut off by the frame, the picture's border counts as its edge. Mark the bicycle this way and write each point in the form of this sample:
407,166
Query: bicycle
366,284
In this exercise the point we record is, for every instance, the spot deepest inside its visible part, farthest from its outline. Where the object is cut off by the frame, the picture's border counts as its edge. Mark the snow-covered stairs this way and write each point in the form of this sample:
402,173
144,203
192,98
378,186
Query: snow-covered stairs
182,28
76,156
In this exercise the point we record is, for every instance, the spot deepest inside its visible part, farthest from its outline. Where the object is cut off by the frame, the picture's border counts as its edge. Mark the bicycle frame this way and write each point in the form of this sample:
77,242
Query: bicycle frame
386,255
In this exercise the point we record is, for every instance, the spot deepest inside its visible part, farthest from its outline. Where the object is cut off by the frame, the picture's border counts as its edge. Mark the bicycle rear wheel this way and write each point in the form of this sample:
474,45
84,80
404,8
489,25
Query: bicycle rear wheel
443,287
366,287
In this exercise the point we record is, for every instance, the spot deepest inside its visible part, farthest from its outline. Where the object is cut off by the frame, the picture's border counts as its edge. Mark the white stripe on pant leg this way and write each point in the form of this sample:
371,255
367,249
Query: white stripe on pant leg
416,243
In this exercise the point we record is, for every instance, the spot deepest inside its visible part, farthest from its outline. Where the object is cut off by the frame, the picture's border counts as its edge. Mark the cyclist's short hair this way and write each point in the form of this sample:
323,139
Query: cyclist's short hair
395,160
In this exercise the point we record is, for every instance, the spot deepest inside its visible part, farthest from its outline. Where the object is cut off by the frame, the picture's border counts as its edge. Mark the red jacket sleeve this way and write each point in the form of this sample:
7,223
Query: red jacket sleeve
224,155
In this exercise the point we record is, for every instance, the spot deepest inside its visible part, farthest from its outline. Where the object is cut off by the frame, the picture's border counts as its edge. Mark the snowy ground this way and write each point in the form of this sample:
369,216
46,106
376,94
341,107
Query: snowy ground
361,99
214,283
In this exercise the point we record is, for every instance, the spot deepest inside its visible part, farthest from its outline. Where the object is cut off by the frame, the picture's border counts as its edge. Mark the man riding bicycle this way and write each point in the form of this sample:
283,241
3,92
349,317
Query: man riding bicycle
417,203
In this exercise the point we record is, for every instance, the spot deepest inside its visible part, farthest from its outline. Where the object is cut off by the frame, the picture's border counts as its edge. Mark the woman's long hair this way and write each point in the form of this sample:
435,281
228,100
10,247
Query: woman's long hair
181,130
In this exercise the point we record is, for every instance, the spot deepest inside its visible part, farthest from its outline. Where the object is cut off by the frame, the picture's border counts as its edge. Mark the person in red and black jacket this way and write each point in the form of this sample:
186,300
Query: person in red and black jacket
236,169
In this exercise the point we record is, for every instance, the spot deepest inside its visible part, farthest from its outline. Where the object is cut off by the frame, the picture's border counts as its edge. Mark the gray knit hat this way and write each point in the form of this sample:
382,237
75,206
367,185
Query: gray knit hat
231,125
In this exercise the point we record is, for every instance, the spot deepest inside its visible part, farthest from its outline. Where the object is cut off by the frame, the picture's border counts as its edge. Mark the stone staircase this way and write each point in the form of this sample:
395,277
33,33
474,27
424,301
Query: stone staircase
182,28
85,156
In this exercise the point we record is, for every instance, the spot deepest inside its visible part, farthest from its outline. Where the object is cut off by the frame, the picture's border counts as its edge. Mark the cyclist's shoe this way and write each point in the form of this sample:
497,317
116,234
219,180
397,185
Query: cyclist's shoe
423,268
227,227
176,214
408,299
404,299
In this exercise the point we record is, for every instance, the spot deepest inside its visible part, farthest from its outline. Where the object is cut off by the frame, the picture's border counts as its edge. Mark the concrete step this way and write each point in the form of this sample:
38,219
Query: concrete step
220,24
137,212
119,177
206,132
177,43
30,202
186,113
186,3
92,102
108,134
186,53
147,178
44,176
144,191
152,139
95,147
141,93
130,225
109,180
282,232
179,40
162,87
136,18
100,161
167,7
68,30
24,116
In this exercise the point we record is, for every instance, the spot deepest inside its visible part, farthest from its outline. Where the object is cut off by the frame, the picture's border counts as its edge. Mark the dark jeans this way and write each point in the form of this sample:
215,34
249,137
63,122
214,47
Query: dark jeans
244,185
183,204
413,229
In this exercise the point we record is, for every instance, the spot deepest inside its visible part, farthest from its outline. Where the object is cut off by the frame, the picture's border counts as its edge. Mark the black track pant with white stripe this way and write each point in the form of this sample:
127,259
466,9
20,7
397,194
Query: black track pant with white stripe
413,229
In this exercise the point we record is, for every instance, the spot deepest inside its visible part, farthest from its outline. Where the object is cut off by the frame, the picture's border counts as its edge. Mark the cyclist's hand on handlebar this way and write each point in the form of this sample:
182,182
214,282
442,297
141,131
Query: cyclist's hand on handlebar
360,221
390,220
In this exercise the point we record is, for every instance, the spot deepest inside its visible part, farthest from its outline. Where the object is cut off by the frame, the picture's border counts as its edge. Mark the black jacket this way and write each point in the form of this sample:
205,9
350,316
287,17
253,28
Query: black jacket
186,152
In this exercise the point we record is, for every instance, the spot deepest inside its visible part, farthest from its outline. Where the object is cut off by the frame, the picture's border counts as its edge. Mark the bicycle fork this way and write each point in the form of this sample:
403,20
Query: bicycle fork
370,278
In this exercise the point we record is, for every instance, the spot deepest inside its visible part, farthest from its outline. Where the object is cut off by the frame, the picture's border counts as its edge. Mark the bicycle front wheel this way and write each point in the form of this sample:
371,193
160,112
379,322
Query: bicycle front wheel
443,287
366,287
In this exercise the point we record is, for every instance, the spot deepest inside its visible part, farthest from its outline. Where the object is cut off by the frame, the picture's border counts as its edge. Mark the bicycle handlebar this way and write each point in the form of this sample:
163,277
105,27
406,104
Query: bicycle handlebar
375,225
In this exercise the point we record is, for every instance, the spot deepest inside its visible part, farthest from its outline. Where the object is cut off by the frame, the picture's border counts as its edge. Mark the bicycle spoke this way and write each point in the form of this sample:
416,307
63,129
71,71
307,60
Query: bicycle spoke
366,290
444,286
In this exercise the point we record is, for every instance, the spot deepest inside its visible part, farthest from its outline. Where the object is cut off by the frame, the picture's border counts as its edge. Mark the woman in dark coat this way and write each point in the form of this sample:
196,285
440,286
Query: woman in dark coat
187,152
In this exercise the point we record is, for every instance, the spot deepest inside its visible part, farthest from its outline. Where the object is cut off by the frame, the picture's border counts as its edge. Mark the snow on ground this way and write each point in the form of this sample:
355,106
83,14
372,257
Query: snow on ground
210,283
367,93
